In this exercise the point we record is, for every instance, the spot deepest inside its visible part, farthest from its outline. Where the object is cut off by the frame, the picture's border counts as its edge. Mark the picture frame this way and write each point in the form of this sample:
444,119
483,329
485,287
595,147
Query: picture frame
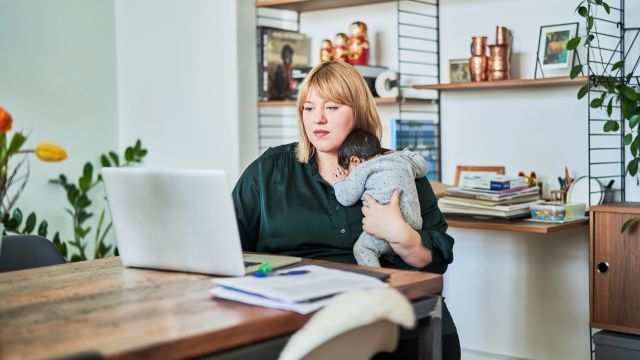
459,71
461,170
552,57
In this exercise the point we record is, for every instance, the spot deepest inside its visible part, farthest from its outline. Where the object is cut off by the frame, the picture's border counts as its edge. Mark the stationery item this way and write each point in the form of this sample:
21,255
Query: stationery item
557,212
284,273
567,178
493,182
303,293
579,191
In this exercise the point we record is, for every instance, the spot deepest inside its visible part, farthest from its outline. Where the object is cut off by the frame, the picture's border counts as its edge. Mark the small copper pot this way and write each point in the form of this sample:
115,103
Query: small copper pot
479,45
478,65
496,75
502,35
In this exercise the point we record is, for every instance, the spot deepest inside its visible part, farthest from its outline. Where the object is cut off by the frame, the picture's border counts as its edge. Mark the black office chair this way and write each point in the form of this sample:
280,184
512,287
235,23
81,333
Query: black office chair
20,252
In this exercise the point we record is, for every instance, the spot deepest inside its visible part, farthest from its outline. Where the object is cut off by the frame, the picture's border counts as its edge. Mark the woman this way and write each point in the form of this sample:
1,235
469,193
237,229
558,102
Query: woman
285,203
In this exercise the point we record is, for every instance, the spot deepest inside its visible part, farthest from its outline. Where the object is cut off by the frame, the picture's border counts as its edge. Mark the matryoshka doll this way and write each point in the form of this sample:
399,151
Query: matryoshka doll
340,50
326,51
358,44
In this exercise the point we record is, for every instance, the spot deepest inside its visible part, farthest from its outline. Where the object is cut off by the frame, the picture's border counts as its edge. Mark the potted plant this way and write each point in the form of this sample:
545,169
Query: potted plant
14,171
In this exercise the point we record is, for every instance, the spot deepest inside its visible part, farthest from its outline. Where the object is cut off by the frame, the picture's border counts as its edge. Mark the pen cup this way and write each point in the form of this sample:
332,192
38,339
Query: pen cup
559,195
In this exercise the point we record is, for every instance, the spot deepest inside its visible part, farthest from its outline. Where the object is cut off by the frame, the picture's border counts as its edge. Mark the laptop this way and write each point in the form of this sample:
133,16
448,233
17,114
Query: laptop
180,220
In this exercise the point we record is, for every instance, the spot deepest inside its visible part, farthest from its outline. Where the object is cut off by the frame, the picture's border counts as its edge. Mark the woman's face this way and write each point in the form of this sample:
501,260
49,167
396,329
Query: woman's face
326,123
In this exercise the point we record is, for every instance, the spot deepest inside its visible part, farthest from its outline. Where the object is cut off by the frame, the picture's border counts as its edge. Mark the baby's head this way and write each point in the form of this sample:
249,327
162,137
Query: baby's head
358,147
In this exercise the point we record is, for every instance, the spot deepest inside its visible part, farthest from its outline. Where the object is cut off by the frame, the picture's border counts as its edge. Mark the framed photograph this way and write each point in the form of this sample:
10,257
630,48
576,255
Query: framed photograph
552,55
462,170
459,70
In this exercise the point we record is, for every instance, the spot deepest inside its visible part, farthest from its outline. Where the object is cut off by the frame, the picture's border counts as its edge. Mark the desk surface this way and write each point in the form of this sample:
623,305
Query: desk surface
134,313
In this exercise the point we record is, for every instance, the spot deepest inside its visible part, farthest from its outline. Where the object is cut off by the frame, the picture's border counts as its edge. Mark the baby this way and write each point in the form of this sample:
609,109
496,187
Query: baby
370,170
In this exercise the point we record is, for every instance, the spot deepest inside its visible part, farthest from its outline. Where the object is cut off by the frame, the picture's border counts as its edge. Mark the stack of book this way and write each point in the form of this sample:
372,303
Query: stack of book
490,196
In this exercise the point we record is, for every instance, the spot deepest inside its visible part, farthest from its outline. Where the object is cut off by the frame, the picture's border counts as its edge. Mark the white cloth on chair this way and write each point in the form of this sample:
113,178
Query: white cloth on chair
350,311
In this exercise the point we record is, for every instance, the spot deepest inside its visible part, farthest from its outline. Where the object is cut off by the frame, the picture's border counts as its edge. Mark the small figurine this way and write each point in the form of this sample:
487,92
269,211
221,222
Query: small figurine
358,44
326,51
340,50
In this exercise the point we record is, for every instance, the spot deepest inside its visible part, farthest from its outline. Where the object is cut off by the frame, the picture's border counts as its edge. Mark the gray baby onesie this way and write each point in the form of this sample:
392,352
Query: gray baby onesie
380,177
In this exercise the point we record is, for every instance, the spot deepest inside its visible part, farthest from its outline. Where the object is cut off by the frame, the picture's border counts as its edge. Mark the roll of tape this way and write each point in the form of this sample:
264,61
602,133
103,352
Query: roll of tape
387,84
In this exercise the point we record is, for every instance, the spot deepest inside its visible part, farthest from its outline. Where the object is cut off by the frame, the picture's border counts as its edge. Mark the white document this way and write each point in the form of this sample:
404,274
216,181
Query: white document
291,292
301,308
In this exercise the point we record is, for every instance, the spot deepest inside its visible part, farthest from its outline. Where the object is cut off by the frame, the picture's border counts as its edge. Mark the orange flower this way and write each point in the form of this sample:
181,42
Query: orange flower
50,152
5,120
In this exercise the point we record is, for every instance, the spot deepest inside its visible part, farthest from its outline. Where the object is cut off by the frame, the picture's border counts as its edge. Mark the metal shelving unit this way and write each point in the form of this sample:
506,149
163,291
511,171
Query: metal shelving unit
614,42
418,62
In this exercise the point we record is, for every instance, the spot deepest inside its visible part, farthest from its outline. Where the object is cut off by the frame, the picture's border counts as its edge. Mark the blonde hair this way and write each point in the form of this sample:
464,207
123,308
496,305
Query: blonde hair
341,83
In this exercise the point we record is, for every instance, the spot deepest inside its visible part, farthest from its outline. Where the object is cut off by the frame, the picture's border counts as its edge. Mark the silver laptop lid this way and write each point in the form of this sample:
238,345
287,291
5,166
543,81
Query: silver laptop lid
175,220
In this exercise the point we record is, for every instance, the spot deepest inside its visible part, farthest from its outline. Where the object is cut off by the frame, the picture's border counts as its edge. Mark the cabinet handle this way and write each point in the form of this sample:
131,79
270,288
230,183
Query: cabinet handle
603,267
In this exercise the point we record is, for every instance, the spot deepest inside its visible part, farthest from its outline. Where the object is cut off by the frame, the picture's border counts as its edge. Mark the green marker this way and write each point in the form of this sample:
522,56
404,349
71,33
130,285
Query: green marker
265,268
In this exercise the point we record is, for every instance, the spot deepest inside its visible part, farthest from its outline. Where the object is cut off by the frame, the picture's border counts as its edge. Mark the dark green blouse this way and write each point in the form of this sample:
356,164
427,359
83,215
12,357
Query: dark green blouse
285,207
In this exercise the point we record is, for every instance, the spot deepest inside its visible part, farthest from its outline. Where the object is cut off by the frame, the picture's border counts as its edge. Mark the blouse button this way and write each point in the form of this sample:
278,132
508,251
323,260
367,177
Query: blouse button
342,231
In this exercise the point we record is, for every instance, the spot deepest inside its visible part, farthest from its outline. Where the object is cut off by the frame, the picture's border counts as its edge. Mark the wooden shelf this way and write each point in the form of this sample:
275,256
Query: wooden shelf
507,84
378,100
312,5
515,226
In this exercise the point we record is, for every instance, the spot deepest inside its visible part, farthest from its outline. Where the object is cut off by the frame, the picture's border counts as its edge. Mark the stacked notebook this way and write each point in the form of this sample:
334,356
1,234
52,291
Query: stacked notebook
490,196
302,289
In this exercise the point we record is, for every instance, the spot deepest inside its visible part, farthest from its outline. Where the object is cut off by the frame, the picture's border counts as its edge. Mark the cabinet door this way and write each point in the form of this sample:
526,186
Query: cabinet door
616,287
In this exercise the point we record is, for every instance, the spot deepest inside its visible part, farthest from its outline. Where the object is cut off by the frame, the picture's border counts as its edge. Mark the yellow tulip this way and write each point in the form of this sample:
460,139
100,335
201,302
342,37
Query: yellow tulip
50,152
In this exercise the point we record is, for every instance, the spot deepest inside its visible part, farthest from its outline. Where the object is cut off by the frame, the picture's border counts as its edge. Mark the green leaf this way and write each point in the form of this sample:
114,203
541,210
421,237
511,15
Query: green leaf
584,90
575,71
610,107
633,148
128,154
589,22
84,184
17,216
30,224
627,224
606,7
628,138
87,171
599,2
104,161
617,65
16,143
596,103
138,145
75,258
582,10
611,125
628,108
573,43
114,158
72,194
634,120
44,228
632,167
628,92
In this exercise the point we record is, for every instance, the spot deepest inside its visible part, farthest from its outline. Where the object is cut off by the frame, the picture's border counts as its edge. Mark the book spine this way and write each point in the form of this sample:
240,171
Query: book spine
508,184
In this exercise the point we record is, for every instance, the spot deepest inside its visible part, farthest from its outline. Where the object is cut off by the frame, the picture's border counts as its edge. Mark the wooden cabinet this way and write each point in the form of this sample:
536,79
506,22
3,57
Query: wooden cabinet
614,276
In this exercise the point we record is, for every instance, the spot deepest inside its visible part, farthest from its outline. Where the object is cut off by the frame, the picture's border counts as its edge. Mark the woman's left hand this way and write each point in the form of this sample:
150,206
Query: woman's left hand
386,222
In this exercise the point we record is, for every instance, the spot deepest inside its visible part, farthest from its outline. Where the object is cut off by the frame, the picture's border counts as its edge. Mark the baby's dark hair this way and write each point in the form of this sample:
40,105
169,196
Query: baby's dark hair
359,143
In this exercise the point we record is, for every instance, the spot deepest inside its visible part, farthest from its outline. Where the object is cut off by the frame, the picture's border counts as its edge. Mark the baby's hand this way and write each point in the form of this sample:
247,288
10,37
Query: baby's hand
340,173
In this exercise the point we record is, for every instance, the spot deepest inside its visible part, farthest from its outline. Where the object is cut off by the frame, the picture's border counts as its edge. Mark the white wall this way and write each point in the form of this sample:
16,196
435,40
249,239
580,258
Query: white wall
178,81
58,79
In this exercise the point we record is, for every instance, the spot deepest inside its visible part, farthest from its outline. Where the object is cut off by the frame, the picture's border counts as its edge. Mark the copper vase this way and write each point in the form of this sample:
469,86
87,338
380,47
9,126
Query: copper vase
478,65
498,68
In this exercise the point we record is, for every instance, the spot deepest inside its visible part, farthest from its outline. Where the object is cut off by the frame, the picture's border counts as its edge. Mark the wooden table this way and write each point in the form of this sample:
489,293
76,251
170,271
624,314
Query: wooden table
123,313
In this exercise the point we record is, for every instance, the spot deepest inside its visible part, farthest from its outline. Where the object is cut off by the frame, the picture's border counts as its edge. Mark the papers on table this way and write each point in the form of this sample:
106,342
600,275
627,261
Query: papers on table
302,293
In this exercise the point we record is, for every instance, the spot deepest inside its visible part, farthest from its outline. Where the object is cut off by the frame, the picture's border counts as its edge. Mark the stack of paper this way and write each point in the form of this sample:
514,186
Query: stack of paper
476,198
302,293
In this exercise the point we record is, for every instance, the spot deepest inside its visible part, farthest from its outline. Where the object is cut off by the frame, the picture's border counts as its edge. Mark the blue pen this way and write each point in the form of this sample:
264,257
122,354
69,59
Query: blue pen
292,272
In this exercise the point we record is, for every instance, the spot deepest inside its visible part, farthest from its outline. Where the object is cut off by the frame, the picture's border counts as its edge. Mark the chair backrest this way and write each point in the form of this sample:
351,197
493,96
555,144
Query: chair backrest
353,326
18,252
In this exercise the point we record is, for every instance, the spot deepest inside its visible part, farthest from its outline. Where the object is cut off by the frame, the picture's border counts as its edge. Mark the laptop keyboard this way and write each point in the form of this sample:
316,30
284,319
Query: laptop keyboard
250,263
